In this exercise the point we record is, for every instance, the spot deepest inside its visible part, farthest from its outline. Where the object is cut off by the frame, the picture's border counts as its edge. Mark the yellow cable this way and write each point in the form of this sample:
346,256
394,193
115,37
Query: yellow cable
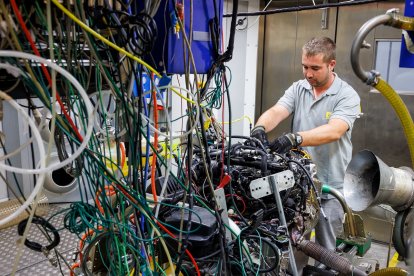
100,37
116,47
394,260
240,119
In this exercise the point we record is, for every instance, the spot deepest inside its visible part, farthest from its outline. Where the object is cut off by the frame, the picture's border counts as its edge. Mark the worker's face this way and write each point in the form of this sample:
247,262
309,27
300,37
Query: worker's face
316,71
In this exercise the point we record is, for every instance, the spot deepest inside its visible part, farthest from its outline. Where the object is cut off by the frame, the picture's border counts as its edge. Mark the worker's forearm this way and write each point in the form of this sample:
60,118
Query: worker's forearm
319,136
267,121
272,117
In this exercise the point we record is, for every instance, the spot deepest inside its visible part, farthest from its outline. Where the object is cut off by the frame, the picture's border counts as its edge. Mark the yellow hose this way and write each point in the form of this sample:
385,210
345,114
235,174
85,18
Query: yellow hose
391,271
401,22
402,112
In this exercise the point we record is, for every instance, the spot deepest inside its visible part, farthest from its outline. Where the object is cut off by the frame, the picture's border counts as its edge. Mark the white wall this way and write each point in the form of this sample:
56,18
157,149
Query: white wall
243,68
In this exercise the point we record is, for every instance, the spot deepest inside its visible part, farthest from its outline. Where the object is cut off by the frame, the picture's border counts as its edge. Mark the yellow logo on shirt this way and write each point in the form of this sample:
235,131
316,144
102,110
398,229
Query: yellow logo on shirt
328,115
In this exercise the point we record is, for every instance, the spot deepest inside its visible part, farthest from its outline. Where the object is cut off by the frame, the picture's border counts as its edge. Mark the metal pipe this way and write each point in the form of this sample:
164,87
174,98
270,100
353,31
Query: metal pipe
292,261
390,243
365,76
391,18
338,195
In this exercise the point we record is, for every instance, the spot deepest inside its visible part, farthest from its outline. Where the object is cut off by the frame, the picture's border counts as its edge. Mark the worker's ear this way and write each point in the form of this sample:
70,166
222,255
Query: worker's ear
331,65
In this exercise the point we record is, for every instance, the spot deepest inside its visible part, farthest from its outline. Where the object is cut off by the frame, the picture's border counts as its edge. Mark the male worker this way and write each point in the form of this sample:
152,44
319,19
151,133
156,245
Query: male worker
324,109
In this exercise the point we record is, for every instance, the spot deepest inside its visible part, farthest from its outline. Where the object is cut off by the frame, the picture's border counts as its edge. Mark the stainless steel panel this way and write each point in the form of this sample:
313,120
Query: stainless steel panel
384,133
309,26
350,19
284,37
278,59
379,128
378,222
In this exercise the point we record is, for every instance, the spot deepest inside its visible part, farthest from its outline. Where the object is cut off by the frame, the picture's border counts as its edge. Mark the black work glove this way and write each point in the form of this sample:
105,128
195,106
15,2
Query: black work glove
259,133
286,142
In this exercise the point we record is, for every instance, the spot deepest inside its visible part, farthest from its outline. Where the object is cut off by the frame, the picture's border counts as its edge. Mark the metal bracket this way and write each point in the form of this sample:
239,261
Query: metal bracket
261,187
324,20
222,206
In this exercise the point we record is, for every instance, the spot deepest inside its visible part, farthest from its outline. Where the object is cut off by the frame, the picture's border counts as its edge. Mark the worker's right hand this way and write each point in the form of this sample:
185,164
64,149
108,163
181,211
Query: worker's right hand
259,133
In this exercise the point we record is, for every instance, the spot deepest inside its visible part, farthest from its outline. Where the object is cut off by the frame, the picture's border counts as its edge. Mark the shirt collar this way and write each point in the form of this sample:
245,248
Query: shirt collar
332,90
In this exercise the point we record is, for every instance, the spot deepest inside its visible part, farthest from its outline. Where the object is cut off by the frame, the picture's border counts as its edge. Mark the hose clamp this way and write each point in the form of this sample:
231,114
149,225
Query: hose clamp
373,78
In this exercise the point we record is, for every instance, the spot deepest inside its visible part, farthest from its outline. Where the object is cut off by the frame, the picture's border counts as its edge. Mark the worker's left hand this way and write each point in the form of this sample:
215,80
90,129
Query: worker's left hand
286,142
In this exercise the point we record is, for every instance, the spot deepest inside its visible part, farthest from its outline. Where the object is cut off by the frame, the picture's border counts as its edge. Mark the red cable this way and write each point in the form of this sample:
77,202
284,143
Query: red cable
110,191
163,228
47,75
123,154
186,251
72,268
239,198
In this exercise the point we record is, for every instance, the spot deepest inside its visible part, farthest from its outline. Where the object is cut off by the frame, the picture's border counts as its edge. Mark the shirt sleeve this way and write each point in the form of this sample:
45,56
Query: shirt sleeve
348,107
288,99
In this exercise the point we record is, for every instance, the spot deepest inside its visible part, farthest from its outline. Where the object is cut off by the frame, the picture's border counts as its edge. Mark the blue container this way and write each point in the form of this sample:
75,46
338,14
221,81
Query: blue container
169,47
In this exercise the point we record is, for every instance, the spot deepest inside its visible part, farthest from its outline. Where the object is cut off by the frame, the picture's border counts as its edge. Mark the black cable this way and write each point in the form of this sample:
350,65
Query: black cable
228,54
93,243
309,177
226,260
184,244
74,169
273,247
189,165
47,227
143,34
13,173
58,261
204,141
257,141
303,8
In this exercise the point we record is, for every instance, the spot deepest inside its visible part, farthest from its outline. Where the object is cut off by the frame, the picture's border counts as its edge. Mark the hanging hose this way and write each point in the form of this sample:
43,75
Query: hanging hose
402,112
395,20
390,271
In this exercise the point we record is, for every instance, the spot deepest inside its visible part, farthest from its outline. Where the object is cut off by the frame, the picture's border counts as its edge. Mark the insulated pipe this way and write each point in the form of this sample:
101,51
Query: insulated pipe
329,258
338,195
402,112
390,271
401,22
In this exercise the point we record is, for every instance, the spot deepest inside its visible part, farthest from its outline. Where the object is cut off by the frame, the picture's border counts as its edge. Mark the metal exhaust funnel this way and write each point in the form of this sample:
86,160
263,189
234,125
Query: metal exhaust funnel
369,181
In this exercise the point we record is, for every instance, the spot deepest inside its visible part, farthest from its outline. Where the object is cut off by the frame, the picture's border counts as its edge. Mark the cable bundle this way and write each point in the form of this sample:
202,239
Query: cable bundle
144,192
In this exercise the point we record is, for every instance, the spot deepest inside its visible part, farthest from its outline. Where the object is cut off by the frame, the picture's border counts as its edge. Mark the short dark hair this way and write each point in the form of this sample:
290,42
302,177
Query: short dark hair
320,45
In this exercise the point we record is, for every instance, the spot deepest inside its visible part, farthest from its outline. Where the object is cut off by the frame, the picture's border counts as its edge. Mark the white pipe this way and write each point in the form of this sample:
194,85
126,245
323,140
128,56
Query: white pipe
88,105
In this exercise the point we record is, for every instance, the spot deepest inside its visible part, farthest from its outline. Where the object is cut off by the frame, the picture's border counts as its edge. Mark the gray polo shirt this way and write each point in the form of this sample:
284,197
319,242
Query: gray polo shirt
340,101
